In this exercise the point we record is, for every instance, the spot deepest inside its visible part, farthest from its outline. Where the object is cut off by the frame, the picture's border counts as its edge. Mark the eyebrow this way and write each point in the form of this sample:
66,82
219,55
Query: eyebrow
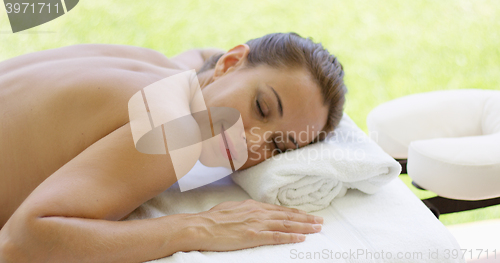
280,107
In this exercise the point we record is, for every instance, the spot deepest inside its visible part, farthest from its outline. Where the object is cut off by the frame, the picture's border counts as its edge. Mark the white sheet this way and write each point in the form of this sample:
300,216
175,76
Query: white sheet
392,220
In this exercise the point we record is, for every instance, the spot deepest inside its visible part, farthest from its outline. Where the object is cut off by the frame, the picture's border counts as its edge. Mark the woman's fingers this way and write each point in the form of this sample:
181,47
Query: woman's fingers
304,218
282,208
292,214
291,226
275,237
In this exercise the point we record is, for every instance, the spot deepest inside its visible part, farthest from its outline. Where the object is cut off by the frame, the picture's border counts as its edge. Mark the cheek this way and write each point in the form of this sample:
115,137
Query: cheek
226,91
253,159
244,106
241,104
257,153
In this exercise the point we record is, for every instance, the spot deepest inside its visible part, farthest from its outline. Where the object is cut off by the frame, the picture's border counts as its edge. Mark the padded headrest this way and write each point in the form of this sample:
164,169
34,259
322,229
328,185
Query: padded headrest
438,114
451,139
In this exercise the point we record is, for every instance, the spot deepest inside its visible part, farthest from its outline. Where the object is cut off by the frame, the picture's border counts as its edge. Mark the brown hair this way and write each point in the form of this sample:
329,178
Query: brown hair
291,50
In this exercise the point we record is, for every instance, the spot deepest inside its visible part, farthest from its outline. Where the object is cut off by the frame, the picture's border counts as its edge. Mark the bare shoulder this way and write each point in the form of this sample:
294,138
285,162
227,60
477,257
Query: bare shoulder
135,53
123,51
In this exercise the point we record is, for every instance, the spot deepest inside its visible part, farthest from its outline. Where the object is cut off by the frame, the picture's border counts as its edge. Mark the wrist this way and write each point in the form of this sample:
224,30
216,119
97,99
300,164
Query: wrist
187,235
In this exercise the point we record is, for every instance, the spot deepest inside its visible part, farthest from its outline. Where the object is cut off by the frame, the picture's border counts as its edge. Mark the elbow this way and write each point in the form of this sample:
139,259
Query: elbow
16,243
10,252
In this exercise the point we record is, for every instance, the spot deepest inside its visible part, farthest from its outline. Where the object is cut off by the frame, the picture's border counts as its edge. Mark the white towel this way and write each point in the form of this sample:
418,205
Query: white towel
311,177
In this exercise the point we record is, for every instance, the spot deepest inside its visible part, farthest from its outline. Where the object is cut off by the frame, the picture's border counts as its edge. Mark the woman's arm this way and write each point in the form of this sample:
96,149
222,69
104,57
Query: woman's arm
195,58
66,218
69,217
72,239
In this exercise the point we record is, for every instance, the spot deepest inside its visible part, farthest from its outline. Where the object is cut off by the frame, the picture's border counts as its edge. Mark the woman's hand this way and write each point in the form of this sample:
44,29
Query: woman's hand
238,225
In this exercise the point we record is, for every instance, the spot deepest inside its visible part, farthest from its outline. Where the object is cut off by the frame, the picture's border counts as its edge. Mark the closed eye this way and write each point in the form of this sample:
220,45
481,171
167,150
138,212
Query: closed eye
259,108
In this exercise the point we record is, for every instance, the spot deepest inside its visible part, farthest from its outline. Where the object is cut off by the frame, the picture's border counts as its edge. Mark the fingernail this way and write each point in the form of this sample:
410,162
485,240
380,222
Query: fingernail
317,226
318,219
302,237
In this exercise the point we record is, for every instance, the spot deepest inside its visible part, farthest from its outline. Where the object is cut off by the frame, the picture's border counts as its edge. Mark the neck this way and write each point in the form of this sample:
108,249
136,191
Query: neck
205,78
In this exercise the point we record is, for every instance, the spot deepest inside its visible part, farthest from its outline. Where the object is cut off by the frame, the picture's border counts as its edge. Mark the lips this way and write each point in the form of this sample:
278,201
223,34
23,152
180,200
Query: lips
222,148
230,144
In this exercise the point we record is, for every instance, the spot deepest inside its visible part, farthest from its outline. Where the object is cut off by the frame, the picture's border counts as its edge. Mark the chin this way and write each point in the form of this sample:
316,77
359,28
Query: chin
210,157
249,163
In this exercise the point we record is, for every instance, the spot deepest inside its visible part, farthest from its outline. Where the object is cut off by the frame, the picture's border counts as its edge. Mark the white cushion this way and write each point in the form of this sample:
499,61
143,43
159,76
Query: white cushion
451,139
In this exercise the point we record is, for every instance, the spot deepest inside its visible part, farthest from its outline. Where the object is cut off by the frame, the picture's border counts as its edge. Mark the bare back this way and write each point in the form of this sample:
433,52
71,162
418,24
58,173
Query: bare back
56,103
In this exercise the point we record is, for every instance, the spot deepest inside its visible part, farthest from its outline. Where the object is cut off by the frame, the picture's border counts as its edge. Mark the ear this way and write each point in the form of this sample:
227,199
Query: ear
233,59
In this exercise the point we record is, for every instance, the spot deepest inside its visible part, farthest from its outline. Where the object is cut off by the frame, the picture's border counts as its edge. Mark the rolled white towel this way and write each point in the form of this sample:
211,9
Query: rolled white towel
311,177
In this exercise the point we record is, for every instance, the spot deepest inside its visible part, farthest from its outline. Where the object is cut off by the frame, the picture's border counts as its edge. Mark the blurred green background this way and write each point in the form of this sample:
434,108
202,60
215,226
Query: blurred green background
388,48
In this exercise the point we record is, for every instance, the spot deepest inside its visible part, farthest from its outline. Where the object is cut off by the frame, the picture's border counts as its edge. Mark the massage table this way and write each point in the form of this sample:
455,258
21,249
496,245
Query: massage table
392,225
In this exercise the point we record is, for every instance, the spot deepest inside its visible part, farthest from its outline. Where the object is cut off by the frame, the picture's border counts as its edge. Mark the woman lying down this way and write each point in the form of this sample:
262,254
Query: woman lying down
70,171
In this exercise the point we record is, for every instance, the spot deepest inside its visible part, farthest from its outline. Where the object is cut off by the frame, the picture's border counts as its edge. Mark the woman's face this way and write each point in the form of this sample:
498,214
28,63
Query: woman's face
280,108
